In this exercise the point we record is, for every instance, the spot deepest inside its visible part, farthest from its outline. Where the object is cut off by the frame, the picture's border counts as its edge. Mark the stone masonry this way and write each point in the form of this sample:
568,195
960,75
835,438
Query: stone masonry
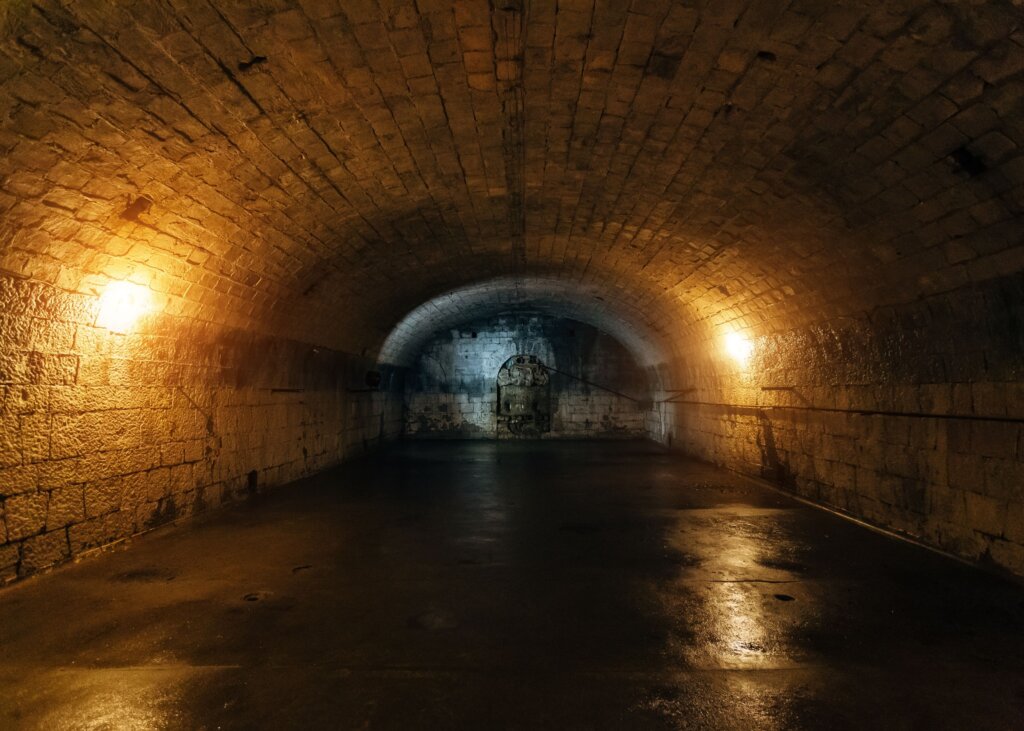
911,419
103,435
306,184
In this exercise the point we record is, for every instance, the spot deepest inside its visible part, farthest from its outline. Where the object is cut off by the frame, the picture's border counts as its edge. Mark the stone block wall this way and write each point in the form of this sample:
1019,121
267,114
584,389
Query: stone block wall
597,389
680,165
105,435
911,418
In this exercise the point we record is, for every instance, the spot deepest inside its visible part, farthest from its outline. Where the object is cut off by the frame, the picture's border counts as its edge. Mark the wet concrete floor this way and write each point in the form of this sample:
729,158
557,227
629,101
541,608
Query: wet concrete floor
515,586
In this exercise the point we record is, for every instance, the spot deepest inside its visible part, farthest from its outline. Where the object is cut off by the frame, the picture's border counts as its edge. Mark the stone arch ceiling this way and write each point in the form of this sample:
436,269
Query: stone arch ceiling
553,297
321,168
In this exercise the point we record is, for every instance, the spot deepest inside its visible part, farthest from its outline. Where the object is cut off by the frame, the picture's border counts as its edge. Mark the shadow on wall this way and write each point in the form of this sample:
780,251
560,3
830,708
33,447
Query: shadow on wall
773,467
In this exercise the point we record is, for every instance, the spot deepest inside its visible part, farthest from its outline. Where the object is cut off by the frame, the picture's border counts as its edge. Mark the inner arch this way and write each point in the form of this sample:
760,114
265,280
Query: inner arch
555,297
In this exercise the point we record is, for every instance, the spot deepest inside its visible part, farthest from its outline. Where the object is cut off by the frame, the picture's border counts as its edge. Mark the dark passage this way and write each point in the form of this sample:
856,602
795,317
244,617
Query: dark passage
515,585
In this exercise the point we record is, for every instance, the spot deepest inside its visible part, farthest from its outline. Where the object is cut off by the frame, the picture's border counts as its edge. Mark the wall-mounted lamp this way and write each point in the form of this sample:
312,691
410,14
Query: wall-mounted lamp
121,306
739,348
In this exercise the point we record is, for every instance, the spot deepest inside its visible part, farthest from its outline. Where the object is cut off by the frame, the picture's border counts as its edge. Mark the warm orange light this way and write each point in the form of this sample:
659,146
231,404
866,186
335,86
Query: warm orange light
738,347
121,305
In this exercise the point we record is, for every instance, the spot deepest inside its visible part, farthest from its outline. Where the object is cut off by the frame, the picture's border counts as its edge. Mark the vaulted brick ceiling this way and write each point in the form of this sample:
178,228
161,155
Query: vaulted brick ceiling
321,168
551,297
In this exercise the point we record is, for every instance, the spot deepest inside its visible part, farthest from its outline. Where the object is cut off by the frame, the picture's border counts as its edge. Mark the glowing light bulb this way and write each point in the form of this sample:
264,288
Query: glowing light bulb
121,305
738,347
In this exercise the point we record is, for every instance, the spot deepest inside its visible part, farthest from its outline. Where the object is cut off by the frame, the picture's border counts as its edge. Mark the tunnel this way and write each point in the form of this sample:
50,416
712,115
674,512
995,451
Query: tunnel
519,364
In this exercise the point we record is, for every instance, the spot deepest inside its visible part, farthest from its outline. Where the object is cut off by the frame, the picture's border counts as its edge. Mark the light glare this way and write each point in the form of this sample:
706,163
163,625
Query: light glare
121,305
738,347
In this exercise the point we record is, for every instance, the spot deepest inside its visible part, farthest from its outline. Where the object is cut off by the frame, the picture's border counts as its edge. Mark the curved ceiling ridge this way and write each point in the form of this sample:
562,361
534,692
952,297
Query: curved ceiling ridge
557,297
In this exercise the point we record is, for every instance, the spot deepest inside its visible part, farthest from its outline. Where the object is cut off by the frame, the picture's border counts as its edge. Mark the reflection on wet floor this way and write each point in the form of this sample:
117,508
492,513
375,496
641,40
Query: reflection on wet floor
515,585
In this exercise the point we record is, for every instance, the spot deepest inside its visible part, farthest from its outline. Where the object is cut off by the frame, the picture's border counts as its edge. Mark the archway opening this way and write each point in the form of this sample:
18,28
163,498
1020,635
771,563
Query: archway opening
524,398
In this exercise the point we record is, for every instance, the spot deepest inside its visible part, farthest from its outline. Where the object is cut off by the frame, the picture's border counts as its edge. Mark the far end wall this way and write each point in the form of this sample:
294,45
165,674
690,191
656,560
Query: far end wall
597,387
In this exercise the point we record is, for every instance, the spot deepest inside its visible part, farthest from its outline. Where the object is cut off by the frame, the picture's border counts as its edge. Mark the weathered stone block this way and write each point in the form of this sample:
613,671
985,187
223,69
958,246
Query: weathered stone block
966,472
103,496
42,551
10,556
994,439
1009,556
1014,526
985,514
18,480
66,505
100,530
35,437
25,515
